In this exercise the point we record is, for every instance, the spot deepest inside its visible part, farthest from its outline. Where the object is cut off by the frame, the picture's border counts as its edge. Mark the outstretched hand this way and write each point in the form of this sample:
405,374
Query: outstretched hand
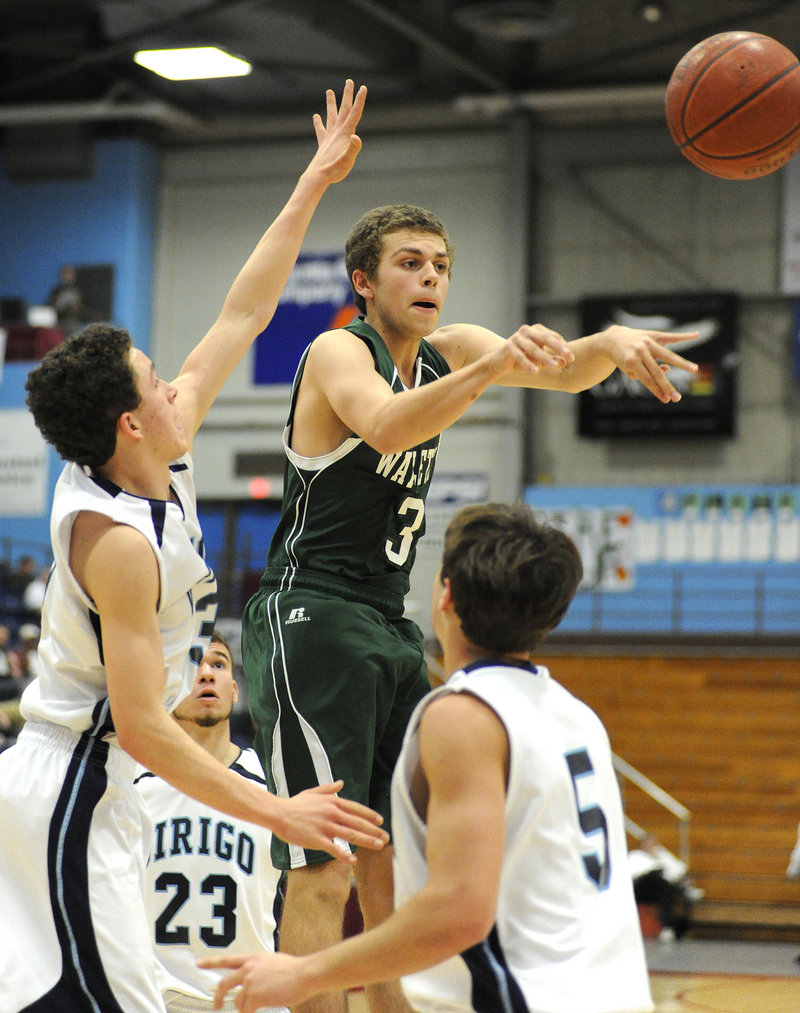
319,820
338,142
643,355
264,979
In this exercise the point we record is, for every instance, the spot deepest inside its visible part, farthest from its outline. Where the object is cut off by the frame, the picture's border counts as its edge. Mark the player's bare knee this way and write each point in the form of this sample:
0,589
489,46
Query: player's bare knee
325,884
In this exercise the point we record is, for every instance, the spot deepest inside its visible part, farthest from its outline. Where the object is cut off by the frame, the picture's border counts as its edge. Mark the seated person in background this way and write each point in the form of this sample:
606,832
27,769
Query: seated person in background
33,595
12,682
661,878
511,882
211,886
16,579
26,652
67,300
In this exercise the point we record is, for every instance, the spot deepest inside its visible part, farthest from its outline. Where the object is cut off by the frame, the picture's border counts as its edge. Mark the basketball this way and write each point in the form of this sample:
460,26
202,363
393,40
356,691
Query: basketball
733,105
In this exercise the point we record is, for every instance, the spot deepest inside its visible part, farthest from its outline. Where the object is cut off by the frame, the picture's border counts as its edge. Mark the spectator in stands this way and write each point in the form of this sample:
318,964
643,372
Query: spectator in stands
33,595
11,685
67,300
17,579
10,674
660,878
27,653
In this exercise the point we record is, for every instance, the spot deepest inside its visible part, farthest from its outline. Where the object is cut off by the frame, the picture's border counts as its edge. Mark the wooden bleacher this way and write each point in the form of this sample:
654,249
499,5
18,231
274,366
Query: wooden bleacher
722,736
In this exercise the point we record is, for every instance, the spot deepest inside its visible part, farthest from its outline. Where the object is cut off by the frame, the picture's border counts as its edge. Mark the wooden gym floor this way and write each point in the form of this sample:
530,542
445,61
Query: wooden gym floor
709,976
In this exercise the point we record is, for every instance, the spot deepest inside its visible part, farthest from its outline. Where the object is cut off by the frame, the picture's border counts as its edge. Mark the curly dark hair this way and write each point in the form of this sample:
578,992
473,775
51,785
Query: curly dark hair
511,577
80,389
363,247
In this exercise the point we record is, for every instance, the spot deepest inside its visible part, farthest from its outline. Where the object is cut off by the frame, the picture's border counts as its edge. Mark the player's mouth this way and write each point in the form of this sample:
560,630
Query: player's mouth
425,304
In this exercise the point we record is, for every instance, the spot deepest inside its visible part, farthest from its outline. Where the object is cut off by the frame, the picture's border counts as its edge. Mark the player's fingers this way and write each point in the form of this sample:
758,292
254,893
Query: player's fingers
337,851
232,960
371,838
355,107
667,337
667,355
347,807
358,104
360,812
331,788
655,380
331,108
547,339
229,982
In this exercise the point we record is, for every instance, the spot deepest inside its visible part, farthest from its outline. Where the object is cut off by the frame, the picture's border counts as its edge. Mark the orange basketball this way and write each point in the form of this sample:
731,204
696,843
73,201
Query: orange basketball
733,105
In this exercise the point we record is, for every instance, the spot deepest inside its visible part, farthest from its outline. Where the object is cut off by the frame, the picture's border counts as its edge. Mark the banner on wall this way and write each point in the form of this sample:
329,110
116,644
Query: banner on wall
317,298
604,537
657,526
23,465
700,559
621,406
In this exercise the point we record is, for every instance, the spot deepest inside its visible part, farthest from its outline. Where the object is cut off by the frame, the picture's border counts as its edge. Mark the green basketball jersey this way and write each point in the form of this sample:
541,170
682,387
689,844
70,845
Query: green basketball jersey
350,520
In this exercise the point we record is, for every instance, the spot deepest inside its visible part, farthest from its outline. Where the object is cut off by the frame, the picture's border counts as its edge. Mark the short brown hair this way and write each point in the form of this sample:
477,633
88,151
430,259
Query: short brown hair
364,245
511,577
218,638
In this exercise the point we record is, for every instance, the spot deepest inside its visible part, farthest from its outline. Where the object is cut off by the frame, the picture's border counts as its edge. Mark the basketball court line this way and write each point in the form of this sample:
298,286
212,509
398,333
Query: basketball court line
701,992
724,993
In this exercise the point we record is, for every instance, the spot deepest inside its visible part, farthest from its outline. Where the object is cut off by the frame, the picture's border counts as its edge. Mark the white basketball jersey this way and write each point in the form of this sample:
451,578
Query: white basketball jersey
210,887
566,935
71,685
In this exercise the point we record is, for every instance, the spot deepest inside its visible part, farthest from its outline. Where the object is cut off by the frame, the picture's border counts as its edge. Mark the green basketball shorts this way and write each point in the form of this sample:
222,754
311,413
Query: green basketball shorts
331,684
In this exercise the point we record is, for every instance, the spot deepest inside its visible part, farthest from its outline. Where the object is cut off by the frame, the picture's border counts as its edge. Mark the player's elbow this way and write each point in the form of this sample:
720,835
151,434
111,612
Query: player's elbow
471,917
386,446
469,931
388,438
132,742
136,739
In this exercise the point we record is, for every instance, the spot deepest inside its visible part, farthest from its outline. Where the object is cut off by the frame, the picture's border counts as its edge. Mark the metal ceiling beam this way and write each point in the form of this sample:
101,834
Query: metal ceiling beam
154,111
425,40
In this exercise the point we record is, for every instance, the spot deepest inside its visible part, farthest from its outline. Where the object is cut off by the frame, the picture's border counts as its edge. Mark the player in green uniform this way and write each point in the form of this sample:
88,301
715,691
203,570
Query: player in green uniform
333,669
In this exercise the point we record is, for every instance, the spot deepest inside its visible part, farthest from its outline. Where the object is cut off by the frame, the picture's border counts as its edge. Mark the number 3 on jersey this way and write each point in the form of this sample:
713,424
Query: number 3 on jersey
592,821
412,509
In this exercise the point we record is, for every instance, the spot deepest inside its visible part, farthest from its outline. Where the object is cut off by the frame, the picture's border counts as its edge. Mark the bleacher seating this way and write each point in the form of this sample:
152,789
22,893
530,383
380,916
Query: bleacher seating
720,735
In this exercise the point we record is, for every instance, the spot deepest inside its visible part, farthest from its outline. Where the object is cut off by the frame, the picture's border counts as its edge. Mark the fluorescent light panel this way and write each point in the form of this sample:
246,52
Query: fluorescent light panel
192,64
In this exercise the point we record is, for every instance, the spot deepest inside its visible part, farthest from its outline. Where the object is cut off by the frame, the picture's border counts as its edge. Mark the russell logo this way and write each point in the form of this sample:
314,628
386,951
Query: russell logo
297,616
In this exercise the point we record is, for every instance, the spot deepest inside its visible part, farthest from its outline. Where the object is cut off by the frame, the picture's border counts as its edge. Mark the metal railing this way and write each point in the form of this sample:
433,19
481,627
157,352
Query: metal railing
624,770
662,798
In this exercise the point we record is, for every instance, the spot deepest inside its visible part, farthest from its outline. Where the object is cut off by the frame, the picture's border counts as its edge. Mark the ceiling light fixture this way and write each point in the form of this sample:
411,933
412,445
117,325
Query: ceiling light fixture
652,11
511,20
192,64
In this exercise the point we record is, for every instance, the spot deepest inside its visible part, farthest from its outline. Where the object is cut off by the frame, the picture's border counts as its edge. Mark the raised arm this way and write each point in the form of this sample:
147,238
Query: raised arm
100,551
253,297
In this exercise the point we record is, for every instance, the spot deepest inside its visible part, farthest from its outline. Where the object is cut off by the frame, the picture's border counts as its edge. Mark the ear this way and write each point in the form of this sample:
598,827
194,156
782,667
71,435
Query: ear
362,284
235,691
128,427
444,596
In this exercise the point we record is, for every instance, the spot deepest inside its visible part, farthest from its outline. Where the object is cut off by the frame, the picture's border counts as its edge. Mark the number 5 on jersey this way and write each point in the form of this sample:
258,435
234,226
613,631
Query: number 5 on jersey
592,821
